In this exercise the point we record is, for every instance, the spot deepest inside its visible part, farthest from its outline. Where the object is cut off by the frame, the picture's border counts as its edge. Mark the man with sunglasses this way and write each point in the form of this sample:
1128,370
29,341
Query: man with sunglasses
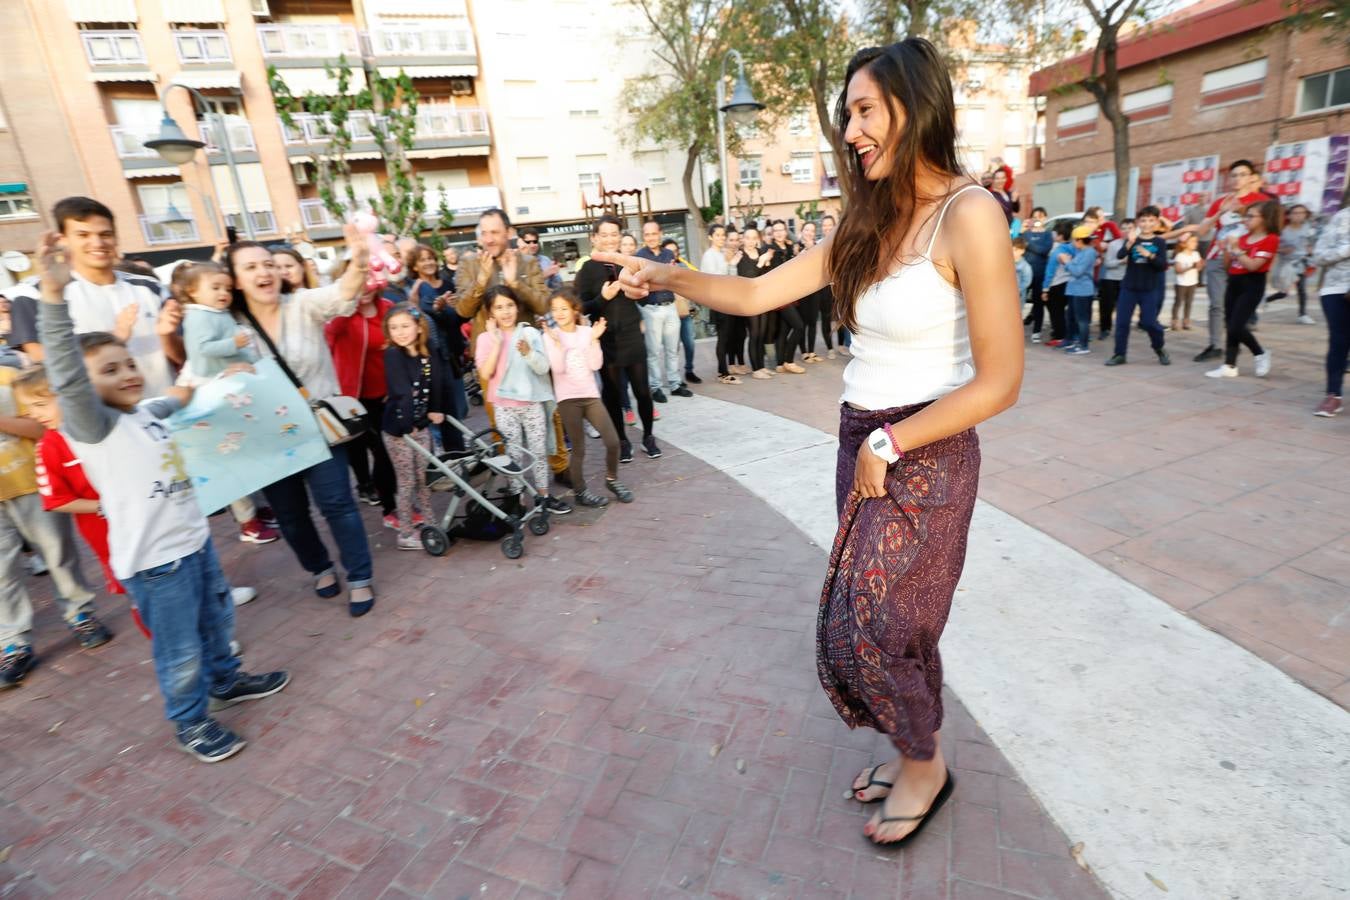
529,245
1224,219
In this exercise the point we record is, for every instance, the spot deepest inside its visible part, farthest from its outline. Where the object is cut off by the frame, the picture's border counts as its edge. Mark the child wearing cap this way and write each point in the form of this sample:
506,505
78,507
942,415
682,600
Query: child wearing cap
1080,291
1145,253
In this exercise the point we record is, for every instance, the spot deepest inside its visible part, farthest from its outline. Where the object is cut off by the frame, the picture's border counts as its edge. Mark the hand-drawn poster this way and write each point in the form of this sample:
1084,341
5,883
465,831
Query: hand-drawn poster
244,432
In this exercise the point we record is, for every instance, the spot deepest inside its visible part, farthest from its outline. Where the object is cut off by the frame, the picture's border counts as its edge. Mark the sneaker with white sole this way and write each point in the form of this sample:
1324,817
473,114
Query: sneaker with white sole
409,542
1222,372
1263,365
249,687
590,430
242,595
256,531
1306,319
209,741
1330,408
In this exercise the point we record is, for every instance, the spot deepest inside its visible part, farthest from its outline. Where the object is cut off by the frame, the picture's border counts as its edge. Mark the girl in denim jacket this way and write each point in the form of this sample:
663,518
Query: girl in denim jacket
510,356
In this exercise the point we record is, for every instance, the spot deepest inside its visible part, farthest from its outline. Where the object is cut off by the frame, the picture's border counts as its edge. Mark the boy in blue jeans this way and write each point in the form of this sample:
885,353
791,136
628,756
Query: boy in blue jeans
159,541
1080,291
1145,255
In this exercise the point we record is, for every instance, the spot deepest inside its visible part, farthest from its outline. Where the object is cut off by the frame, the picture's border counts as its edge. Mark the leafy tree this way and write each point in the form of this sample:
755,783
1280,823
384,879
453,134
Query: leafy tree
676,102
1102,81
387,109
810,42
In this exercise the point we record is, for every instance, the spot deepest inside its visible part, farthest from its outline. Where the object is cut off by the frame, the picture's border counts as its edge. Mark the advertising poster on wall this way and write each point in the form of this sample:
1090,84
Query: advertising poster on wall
1184,186
1309,172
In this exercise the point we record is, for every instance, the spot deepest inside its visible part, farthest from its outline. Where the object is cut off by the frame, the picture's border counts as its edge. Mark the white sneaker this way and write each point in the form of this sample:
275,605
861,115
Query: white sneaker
242,595
1263,365
1223,372
590,430
36,564
1035,337
1306,319
236,648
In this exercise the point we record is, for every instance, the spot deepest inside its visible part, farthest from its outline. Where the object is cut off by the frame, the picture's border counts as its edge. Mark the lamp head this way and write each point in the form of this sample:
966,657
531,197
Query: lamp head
172,145
742,107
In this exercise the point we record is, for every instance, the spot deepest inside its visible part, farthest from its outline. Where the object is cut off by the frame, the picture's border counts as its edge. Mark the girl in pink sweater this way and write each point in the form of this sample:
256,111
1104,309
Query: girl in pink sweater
574,355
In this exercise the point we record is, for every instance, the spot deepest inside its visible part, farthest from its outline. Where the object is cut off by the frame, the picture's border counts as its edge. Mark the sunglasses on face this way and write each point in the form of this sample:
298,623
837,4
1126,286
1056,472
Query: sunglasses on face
528,241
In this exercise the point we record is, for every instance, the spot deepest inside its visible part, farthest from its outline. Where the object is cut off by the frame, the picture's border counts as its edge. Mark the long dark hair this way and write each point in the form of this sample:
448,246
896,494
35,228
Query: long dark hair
916,85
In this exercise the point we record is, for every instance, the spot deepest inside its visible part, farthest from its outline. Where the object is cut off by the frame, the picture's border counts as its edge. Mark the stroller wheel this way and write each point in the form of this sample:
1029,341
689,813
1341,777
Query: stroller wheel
539,525
434,540
476,400
513,547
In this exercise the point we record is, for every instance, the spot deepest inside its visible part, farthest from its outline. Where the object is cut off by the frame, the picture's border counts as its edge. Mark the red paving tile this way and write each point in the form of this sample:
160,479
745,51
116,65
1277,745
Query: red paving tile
538,728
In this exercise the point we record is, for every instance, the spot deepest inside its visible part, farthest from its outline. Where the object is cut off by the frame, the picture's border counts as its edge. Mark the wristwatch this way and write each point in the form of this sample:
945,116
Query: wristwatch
879,442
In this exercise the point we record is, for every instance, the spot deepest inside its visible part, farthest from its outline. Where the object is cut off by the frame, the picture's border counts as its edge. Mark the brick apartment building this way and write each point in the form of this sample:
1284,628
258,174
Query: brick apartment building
1217,81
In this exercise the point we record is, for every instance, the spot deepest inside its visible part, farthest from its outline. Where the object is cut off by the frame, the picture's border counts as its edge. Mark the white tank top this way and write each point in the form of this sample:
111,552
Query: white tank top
912,343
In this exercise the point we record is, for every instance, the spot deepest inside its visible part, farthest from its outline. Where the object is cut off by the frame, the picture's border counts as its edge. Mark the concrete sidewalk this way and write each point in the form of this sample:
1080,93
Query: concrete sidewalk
1228,498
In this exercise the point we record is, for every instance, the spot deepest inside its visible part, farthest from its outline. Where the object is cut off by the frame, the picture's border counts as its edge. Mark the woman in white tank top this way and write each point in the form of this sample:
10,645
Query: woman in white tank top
921,266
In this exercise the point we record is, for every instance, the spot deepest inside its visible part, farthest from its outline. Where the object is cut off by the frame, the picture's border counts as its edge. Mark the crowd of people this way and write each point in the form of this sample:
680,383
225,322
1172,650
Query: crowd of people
97,351
1259,252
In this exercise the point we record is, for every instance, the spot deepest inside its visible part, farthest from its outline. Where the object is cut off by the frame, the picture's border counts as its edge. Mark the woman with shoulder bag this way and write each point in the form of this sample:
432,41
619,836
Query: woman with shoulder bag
289,328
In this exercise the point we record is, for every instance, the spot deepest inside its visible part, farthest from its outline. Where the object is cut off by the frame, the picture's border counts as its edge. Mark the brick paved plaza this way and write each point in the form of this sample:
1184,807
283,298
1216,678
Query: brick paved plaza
631,710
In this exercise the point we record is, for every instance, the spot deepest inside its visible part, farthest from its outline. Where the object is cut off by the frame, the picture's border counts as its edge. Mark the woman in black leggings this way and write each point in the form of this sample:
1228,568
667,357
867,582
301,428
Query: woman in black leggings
625,349
753,263
1249,258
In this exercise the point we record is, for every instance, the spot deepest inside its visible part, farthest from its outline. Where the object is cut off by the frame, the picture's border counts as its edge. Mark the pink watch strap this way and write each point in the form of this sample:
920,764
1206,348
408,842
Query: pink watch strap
895,445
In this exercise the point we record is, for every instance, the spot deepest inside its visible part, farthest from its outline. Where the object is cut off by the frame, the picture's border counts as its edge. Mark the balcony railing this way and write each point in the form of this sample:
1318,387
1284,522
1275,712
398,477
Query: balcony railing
432,123
315,215
160,229
129,140
113,48
197,48
450,123
263,221
317,42
240,132
311,128
417,41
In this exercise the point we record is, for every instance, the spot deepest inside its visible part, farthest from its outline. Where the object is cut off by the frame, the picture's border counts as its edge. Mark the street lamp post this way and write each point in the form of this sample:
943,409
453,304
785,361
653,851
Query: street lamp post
177,149
741,110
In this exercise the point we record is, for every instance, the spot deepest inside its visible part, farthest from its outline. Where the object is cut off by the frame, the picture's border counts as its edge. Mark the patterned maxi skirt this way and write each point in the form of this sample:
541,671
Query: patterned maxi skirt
888,589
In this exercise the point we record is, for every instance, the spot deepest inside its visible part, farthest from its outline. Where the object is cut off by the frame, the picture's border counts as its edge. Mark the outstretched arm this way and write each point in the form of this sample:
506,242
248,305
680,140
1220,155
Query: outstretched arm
87,419
728,294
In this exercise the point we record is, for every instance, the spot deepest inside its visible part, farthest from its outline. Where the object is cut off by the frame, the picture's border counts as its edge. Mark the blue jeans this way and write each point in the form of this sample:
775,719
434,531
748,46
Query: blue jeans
1336,307
331,488
1149,303
845,338
187,605
687,342
451,437
1080,322
663,345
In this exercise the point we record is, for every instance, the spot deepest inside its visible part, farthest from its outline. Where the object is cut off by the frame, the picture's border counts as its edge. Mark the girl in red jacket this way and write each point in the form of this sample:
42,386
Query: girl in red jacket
357,344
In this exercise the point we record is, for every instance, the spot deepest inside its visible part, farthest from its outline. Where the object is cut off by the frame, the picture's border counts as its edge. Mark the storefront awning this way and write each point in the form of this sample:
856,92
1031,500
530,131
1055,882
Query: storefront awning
416,71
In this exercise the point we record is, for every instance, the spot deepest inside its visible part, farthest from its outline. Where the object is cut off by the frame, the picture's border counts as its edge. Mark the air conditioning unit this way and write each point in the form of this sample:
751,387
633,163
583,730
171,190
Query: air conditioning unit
260,7
786,169
461,87
299,174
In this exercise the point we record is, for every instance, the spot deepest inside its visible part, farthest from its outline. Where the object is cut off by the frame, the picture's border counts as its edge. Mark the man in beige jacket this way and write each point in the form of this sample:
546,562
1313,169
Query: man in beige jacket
497,264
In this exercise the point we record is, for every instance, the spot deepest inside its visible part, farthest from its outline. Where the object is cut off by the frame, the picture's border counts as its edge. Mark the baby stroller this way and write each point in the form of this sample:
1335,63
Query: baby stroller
478,479
469,371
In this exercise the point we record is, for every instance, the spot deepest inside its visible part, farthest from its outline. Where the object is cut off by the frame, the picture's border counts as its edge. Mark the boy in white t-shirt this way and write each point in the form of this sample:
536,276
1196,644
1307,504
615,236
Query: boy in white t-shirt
159,542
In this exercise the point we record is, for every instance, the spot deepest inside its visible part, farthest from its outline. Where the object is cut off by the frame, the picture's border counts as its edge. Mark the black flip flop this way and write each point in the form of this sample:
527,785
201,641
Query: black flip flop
872,781
933,807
